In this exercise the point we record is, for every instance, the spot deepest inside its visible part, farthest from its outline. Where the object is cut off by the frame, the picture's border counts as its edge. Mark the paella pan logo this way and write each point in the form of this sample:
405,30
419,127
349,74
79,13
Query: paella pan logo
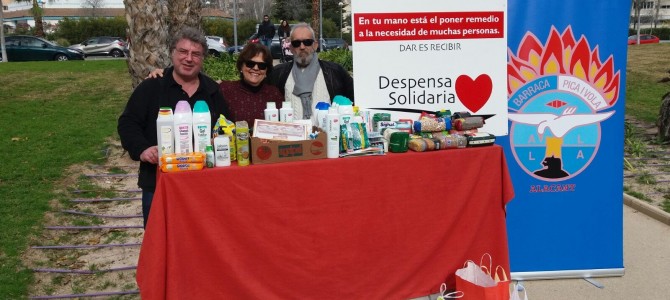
558,92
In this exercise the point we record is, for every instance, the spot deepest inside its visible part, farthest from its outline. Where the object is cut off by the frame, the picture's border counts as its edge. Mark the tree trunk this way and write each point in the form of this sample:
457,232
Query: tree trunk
3,51
37,16
664,119
183,13
315,18
148,37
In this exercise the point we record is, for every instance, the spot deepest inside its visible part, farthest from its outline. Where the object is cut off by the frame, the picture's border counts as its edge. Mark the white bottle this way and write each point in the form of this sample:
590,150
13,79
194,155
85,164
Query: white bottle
202,126
333,132
164,134
222,151
271,113
286,112
183,128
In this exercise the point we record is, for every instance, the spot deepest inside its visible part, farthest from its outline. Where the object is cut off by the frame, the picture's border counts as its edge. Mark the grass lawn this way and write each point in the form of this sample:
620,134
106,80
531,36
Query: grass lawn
52,115
56,114
647,64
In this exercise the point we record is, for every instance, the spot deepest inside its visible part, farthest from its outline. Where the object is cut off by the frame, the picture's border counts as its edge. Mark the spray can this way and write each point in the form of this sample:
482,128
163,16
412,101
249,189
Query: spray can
222,150
271,113
183,127
286,112
202,126
333,133
165,136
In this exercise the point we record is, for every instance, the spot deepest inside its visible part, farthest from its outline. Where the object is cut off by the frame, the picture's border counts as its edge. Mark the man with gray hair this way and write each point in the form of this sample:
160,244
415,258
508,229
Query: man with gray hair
182,81
307,80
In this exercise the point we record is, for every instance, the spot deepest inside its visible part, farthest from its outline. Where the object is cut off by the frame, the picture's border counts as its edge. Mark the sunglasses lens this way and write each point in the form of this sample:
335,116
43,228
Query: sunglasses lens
296,43
252,64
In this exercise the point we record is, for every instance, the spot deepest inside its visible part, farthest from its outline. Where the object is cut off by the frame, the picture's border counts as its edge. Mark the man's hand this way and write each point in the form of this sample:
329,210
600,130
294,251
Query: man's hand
150,155
155,73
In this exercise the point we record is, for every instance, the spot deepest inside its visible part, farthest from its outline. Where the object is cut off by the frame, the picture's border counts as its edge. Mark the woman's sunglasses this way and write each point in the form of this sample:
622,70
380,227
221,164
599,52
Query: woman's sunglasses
296,43
251,64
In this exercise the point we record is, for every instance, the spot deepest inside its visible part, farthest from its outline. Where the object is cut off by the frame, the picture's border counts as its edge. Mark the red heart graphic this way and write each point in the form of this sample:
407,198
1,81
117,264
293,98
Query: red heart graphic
474,93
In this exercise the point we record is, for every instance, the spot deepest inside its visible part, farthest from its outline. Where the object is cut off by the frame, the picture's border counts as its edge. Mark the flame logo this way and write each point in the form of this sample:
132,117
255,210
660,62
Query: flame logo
562,55
556,91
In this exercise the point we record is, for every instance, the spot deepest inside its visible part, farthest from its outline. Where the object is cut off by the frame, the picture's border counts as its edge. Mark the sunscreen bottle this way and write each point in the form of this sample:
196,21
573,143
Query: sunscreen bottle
209,156
183,127
242,141
202,126
286,112
222,150
333,133
321,115
165,136
271,113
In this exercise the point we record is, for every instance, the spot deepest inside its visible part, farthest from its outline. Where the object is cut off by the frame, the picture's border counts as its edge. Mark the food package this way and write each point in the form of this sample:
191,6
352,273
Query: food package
468,123
181,158
480,139
170,168
423,144
432,124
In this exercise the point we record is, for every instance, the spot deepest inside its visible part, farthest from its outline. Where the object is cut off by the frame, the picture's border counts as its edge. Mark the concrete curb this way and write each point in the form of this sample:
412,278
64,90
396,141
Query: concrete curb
647,209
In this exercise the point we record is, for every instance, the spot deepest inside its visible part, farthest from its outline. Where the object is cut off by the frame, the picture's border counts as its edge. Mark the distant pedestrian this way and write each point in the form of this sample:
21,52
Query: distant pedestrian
266,31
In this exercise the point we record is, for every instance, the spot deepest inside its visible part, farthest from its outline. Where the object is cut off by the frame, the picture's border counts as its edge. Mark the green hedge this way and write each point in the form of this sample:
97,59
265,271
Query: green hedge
662,33
78,30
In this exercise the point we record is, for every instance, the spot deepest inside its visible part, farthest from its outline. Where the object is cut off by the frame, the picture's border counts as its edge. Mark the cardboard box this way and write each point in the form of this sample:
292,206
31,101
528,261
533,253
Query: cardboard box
265,151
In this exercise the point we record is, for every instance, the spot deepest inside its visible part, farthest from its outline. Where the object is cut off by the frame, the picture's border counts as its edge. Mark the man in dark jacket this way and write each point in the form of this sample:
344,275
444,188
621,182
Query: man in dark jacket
182,81
308,80
266,31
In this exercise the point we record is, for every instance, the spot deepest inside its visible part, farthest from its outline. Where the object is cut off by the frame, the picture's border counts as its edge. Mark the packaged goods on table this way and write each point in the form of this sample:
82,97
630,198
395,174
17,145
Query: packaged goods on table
242,141
226,127
427,124
480,139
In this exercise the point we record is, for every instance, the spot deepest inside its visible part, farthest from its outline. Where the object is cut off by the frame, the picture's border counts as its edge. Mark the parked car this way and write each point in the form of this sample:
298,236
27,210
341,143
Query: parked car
218,39
27,48
215,48
103,45
334,43
644,39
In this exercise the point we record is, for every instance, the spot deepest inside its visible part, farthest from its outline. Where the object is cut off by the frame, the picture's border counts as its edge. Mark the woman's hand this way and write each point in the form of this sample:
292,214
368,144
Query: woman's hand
155,73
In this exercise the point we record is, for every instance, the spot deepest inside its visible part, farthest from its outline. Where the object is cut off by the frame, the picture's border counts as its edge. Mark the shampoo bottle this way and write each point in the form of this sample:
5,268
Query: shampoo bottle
183,127
165,136
321,115
271,113
333,133
286,112
202,126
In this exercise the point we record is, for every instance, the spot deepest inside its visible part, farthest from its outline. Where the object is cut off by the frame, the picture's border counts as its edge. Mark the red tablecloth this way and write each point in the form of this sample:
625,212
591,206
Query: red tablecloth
384,227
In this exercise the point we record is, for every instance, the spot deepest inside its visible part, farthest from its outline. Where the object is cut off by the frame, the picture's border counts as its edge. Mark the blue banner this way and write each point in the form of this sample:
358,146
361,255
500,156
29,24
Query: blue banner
566,86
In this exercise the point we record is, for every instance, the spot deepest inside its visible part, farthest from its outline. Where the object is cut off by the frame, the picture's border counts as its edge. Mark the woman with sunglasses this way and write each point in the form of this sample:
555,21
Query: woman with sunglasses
247,98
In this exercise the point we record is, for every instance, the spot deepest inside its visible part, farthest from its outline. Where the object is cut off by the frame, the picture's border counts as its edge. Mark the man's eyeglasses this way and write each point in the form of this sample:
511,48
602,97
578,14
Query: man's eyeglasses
251,64
184,53
307,43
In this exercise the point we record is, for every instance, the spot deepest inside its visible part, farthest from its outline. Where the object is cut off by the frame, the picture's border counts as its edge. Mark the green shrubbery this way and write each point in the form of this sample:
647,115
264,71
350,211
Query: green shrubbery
661,33
340,56
222,67
78,30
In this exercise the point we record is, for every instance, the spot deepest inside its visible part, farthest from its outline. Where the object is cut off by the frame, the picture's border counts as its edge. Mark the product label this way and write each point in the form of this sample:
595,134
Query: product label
203,137
184,138
167,142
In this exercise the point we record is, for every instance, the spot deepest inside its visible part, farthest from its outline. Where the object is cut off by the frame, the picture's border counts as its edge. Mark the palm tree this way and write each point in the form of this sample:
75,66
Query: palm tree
151,23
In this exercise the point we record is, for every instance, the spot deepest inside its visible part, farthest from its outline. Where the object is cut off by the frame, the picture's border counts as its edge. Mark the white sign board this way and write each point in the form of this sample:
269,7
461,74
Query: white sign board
427,55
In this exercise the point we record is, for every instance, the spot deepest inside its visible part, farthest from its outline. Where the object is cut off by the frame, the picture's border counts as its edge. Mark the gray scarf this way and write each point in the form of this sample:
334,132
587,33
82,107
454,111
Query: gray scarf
304,84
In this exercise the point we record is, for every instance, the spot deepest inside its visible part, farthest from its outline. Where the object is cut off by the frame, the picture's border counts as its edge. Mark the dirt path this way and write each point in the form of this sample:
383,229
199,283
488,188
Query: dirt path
112,268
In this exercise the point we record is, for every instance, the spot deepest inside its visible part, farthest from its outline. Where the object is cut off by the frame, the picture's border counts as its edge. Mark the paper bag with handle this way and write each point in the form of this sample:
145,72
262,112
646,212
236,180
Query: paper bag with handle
478,283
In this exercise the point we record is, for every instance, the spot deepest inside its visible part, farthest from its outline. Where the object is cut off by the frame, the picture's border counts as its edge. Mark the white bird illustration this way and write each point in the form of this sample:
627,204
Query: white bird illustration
559,125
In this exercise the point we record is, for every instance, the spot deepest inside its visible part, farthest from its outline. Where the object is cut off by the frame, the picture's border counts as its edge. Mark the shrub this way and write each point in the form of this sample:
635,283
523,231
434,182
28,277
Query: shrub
340,56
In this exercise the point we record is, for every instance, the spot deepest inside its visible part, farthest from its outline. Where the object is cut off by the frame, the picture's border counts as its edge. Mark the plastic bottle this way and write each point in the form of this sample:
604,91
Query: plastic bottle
242,141
183,127
271,113
286,112
202,126
222,151
333,132
165,136
321,115
209,156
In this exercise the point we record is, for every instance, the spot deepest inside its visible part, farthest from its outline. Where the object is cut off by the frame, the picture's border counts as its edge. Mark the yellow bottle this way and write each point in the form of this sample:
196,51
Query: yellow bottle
242,141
